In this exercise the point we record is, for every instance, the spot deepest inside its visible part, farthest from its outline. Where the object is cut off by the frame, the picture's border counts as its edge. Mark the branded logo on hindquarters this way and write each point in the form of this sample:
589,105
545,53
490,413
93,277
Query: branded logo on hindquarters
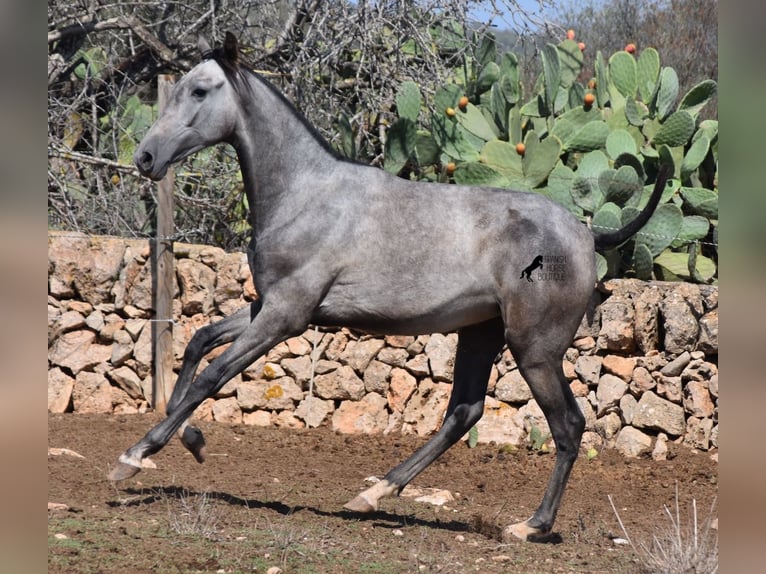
545,268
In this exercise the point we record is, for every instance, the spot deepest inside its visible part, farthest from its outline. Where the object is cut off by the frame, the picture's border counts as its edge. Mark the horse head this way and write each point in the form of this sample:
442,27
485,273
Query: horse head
201,111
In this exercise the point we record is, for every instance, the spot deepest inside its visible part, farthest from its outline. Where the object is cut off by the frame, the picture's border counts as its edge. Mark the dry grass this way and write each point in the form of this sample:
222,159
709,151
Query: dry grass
675,548
192,514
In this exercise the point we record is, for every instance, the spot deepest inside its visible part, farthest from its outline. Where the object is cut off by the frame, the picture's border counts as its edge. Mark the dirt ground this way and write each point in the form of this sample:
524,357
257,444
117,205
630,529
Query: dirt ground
270,498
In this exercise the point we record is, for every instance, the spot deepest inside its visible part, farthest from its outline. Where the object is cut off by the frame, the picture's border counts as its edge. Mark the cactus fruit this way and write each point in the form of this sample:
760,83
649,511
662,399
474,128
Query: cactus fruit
630,48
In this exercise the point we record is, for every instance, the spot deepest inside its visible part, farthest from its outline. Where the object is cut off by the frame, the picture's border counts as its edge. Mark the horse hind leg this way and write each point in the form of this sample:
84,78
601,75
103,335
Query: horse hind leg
478,345
540,364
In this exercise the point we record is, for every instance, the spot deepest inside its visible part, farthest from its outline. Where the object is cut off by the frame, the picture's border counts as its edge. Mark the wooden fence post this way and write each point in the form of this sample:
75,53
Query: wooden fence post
162,276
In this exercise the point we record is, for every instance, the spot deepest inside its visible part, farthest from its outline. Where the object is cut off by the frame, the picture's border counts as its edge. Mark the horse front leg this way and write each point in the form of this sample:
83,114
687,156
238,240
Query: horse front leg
205,340
478,345
268,328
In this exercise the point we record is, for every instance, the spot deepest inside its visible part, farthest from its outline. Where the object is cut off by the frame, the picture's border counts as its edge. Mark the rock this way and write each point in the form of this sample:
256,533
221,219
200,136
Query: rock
588,368
196,282
227,411
368,416
588,412
400,389
697,401
299,368
619,366
660,450
609,392
128,381
288,420
358,354
229,389
708,337
399,341
499,424
313,411
655,413
633,443
713,385
425,409
278,394
512,388
440,350
142,353
641,381
95,321
91,394
646,319
591,440
299,346
98,268
134,286
336,346
376,377
617,321
670,388
677,365
531,416
323,366
122,402
134,327
578,388
698,433
60,387
394,357
608,427
681,327
418,366
228,290
585,344
257,418
341,384
569,370
77,351
122,348
70,321
628,405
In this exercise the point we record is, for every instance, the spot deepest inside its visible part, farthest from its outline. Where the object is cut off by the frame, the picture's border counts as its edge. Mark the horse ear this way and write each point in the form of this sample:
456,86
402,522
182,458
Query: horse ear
230,48
204,48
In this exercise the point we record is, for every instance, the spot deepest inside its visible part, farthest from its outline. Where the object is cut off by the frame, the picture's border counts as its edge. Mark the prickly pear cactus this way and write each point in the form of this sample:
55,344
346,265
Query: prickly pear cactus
593,145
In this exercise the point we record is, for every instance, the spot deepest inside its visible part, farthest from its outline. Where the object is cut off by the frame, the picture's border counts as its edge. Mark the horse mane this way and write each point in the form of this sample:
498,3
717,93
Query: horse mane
238,74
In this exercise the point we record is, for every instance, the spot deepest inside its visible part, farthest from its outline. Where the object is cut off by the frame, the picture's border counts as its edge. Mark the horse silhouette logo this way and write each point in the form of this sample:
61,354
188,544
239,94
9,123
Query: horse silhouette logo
537,262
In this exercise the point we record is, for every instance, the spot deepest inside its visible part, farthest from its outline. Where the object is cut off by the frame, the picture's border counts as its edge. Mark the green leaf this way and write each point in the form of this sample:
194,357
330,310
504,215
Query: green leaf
701,201
678,264
619,142
474,122
400,144
661,229
473,437
502,157
539,159
668,92
647,73
642,262
475,173
696,98
551,74
408,100
489,75
693,228
622,73
676,130
591,136
570,60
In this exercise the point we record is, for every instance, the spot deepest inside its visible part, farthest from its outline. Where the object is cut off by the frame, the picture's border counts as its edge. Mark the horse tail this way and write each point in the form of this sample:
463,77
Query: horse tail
610,239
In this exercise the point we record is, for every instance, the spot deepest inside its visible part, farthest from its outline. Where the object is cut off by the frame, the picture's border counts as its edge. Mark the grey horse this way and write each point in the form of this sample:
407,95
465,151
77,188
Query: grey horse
338,243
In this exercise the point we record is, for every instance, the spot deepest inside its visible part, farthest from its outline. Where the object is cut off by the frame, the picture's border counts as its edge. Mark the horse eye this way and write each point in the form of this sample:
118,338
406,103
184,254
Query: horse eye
199,93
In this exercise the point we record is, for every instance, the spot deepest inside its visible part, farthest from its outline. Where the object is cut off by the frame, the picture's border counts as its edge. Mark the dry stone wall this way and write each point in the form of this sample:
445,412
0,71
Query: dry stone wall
643,366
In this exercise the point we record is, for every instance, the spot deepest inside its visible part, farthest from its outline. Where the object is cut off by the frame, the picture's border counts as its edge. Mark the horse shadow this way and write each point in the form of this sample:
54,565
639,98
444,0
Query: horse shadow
378,518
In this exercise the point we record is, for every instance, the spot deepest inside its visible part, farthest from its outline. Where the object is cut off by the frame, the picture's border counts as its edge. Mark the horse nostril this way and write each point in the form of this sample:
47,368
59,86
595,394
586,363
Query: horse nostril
145,160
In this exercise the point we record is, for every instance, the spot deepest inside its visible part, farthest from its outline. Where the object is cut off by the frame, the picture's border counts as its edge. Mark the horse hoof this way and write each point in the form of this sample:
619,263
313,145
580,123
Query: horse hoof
194,441
122,471
361,505
523,531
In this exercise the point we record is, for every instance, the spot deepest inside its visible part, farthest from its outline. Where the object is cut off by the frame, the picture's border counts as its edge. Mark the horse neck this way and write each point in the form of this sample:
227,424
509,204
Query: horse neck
277,153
